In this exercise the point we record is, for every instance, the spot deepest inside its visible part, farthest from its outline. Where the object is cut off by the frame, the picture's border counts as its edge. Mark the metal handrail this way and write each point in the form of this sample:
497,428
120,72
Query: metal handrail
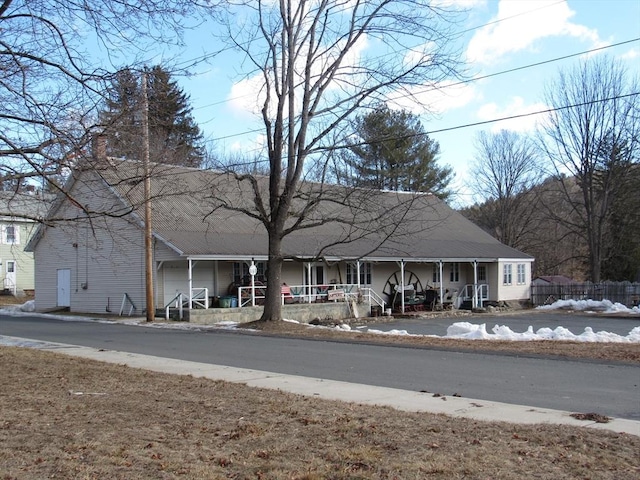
126,298
373,297
179,303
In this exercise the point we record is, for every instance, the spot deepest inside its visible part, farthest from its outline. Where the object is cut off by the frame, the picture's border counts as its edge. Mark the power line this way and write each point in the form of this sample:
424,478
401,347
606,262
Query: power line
205,57
538,112
475,124
464,82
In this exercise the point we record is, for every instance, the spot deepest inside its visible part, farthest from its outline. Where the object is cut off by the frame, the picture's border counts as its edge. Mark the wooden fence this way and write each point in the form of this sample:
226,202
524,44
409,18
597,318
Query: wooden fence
618,292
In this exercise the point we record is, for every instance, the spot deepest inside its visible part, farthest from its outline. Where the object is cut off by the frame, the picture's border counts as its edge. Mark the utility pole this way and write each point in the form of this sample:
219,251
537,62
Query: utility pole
148,247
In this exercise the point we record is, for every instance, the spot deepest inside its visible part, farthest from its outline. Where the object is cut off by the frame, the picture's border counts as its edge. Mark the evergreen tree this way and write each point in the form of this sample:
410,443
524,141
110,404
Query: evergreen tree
391,151
174,137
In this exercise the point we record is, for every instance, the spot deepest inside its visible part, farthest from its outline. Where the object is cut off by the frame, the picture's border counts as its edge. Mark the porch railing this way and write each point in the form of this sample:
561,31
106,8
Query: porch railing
199,298
372,297
10,284
469,291
306,294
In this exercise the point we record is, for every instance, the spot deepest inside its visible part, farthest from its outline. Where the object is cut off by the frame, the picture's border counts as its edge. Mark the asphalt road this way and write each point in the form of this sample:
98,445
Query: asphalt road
580,386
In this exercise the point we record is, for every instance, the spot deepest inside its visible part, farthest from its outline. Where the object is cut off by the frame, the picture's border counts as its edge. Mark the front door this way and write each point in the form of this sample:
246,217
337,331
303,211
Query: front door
10,276
64,287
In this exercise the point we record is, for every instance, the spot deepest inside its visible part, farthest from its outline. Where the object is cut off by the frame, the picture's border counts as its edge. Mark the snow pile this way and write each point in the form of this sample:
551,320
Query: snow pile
470,331
605,306
29,306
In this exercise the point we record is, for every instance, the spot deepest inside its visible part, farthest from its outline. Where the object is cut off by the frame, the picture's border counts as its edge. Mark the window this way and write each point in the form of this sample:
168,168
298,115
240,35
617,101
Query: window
482,274
241,274
454,274
10,235
365,273
507,274
522,274
436,274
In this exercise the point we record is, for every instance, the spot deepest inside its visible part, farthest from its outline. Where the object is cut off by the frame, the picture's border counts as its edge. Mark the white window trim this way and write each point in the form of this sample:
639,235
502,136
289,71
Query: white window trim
366,273
16,234
482,277
454,273
521,274
507,274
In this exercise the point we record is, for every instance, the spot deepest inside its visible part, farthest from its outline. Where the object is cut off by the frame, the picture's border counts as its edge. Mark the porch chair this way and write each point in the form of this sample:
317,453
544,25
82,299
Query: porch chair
430,299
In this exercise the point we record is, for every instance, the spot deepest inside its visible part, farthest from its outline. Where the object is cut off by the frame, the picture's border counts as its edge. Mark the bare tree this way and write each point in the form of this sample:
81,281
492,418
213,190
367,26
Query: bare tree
314,72
49,84
592,141
505,170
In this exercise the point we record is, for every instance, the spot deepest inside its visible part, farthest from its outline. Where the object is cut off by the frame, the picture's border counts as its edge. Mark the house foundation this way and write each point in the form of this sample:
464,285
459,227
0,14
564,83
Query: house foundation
301,312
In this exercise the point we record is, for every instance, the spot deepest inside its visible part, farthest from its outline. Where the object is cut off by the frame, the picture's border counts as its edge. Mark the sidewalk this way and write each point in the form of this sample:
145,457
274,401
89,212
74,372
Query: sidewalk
335,390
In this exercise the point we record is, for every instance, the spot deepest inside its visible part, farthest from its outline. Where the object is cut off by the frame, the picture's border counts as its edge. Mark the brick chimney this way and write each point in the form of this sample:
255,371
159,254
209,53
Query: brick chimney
99,147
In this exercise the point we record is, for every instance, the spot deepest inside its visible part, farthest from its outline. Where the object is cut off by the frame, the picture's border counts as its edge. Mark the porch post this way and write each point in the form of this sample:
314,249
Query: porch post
190,285
475,284
309,282
358,274
252,271
440,268
402,286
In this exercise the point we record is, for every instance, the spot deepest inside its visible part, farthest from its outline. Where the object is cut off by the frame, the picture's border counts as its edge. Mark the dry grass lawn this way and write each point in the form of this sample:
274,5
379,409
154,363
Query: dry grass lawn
70,418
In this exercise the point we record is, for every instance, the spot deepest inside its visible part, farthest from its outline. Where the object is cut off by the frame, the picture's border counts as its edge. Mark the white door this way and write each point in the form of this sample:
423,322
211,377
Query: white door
64,287
10,276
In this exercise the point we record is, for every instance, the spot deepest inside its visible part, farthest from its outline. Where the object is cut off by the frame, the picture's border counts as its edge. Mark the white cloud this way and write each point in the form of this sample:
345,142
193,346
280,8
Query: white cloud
436,100
458,3
519,24
247,96
631,54
491,111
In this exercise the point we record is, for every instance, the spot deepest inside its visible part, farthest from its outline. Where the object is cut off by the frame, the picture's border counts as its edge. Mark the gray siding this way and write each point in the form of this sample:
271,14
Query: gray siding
105,256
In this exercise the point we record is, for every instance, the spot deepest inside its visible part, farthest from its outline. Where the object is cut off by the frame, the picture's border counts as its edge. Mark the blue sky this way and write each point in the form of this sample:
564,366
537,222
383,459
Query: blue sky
503,35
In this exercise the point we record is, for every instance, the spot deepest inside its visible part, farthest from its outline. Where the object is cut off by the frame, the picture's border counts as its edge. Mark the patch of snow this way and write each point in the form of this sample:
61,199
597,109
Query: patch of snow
466,330
605,306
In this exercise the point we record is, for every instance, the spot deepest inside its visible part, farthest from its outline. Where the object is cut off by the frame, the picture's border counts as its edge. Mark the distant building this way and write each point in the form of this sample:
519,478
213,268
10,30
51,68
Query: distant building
19,216
553,280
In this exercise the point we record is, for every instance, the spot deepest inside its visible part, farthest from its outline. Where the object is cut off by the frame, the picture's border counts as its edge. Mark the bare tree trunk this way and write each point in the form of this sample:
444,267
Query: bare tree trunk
273,302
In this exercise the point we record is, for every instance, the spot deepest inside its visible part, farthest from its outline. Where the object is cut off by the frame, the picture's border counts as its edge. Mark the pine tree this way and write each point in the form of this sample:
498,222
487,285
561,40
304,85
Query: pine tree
391,151
174,137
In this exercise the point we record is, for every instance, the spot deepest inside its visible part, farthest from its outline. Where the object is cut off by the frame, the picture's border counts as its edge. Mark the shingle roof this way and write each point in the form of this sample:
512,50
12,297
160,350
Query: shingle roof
193,212
27,206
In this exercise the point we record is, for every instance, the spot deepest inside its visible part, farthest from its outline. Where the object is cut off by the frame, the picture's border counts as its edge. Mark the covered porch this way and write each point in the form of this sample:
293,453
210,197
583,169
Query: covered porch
410,286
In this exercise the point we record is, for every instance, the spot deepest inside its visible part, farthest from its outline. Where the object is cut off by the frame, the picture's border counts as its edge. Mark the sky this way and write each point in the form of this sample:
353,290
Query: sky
499,35
463,330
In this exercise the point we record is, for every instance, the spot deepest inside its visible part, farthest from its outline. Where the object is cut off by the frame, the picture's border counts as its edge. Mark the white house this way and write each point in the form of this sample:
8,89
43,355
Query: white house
90,256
